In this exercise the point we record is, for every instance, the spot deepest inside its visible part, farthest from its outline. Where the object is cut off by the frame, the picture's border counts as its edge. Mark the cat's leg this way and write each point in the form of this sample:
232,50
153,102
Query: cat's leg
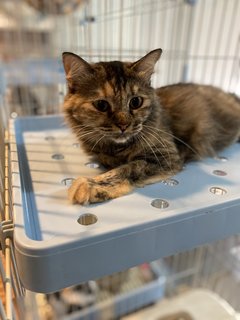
86,190
118,181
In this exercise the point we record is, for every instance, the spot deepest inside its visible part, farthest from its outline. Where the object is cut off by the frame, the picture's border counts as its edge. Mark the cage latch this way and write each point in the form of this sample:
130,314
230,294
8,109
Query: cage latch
6,231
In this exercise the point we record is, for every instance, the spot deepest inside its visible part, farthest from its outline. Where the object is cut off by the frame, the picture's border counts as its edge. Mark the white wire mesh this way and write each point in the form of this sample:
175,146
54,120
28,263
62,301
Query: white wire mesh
200,41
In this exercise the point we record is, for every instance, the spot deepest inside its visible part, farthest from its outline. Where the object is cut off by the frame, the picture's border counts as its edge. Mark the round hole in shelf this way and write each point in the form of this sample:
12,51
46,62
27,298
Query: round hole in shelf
171,182
76,145
14,115
49,138
159,203
92,165
219,173
67,181
87,218
57,156
223,159
218,191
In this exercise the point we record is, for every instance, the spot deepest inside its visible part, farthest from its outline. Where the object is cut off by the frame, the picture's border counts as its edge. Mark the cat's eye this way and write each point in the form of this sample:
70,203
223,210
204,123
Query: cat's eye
101,105
135,103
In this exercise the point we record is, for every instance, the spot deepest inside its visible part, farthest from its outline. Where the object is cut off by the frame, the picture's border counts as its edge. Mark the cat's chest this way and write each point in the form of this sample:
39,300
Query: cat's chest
115,157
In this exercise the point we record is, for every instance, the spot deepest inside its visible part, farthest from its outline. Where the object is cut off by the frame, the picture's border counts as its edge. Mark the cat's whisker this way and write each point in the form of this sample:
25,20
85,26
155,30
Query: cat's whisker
81,126
176,138
166,158
103,136
158,138
144,150
91,137
80,136
149,145
163,145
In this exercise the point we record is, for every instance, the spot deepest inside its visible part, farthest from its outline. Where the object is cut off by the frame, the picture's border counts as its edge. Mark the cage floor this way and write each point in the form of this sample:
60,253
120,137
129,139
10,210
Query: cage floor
54,250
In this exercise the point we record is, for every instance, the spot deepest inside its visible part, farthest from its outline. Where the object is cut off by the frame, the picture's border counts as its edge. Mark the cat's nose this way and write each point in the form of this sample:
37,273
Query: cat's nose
122,127
121,120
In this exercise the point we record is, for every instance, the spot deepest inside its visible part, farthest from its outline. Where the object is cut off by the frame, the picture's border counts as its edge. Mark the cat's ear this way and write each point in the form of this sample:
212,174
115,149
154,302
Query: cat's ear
75,67
145,66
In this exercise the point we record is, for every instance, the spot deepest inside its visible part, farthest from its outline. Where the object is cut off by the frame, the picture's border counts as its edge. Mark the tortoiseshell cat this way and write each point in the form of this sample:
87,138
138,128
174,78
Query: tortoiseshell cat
140,134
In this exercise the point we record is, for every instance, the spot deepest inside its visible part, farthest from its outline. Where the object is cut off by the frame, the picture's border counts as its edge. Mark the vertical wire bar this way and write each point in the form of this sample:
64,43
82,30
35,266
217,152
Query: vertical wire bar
171,42
85,31
198,263
208,38
121,31
205,257
235,68
105,29
89,29
98,25
19,287
163,45
189,39
156,41
199,20
151,24
112,24
2,311
219,267
134,37
232,26
132,25
2,271
141,29
219,37
8,284
178,37
12,281
177,45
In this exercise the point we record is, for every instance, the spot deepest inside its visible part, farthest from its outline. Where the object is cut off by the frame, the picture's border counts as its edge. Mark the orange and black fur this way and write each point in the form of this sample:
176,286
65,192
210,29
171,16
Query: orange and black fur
140,134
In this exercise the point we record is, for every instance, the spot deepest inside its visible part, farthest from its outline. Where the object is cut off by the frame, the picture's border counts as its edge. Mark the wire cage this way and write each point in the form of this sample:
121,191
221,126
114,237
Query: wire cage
201,43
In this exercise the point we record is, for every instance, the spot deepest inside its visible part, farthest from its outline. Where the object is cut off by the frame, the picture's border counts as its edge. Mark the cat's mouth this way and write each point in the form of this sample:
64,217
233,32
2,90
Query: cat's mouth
124,137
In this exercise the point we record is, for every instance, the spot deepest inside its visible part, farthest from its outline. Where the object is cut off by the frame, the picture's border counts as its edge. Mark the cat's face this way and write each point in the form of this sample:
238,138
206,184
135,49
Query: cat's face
108,101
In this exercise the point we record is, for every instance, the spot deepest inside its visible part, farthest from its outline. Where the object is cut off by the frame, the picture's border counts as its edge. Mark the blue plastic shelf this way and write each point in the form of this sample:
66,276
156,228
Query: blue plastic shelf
53,250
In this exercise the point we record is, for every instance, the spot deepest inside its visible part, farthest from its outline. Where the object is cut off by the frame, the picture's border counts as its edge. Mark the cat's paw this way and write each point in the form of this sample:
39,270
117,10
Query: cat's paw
87,190
80,191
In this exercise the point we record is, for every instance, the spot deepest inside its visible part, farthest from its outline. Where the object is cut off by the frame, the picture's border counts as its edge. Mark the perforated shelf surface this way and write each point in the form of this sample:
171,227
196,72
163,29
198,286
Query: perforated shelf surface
54,250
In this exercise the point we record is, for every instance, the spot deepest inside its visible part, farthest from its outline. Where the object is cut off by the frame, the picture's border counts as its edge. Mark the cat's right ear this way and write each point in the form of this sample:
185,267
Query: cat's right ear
75,68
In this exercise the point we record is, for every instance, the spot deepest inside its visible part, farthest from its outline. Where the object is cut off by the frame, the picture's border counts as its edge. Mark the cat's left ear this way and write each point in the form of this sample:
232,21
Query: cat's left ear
145,66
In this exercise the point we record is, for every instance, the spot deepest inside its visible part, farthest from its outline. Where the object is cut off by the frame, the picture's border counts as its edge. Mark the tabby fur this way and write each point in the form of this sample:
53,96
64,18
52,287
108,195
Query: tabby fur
141,134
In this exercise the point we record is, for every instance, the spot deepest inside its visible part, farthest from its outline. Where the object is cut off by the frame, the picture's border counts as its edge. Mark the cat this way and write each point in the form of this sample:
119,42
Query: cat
140,134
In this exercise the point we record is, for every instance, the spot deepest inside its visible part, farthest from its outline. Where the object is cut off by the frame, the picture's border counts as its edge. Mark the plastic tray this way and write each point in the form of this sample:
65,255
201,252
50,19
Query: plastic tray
201,204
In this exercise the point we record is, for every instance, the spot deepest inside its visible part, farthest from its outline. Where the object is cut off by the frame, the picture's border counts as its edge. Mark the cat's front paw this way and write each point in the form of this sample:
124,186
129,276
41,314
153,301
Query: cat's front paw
98,189
87,190
79,192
